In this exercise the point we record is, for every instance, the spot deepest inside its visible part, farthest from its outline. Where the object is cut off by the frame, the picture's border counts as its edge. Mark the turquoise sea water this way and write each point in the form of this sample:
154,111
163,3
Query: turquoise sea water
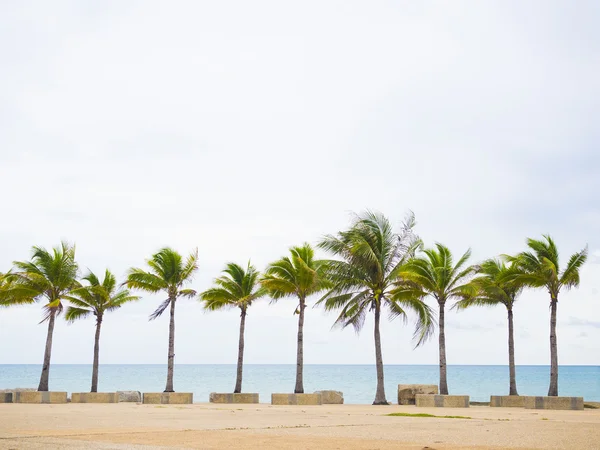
356,381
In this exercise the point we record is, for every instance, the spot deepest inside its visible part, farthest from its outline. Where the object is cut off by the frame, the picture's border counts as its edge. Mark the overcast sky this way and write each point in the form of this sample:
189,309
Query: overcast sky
243,128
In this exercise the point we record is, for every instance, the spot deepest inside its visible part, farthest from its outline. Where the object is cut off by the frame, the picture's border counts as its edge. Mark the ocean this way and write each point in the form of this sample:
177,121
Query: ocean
357,382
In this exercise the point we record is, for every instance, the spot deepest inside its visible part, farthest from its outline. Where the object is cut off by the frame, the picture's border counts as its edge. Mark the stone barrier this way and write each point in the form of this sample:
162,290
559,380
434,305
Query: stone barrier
168,398
507,401
40,397
233,398
6,397
129,396
407,392
569,403
296,399
94,397
442,401
331,397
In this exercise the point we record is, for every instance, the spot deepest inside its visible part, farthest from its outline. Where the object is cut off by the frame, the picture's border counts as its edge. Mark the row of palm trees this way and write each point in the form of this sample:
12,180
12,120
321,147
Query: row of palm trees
373,269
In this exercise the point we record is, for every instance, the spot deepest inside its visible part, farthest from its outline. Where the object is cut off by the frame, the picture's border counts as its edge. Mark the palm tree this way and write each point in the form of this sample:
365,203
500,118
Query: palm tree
366,279
97,298
168,272
49,277
540,267
435,274
237,288
497,286
298,275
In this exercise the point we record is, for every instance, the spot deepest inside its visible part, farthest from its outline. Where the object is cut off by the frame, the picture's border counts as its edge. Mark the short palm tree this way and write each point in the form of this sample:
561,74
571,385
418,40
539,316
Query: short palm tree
298,275
497,285
366,280
97,298
167,272
540,267
49,277
435,274
237,288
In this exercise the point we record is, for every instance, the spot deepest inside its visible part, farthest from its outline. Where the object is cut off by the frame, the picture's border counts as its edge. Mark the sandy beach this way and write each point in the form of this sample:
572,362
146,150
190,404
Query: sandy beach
208,426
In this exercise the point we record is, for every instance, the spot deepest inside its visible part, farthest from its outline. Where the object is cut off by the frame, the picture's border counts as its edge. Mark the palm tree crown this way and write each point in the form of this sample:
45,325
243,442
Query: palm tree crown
365,278
238,287
97,297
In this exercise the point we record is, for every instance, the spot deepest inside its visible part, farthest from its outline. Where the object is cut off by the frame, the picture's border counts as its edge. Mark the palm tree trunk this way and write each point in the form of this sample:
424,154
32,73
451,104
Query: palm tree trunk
171,358
43,386
240,362
299,389
553,389
511,355
96,355
380,392
442,343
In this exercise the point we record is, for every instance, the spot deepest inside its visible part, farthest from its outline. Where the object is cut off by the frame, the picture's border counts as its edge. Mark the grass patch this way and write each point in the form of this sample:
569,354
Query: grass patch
591,406
401,414
544,418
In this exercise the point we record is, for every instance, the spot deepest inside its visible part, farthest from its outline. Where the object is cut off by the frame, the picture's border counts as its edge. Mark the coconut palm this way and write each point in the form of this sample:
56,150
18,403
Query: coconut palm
497,286
435,274
237,288
97,298
540,267
298,275
167,272
366,280
49,277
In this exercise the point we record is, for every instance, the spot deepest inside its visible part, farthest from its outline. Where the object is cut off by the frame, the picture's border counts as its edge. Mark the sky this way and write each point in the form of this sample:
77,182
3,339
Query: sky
243,128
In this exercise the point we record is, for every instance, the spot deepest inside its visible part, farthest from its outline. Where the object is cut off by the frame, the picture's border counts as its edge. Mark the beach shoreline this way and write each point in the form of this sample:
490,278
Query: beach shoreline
211,426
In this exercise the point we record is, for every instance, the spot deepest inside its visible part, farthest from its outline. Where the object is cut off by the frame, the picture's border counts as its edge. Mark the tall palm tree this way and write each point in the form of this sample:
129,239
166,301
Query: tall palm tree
366,279
49,277
97,298
237,288
298,275
435,274
167,272
497,286
540,267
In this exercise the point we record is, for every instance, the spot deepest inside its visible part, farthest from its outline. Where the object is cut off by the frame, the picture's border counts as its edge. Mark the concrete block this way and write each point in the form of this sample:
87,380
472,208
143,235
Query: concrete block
94,397
407,392
296,399
507,401
331,397
168,398
40,397
130,396
6,397
442,401
233,398
568,403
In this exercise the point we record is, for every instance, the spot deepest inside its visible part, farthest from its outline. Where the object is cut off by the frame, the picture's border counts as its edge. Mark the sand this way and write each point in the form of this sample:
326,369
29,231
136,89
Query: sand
208,426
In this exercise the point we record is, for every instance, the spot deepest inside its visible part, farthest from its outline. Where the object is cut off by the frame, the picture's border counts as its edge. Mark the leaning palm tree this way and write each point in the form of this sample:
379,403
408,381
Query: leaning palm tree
497,286
167,272
435,274
49,277
540,267
298,275
237,288
366,280
97,298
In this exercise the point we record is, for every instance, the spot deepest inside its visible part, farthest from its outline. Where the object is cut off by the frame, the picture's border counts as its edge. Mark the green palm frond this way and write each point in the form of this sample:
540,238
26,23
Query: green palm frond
74,313
237,287
48,277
